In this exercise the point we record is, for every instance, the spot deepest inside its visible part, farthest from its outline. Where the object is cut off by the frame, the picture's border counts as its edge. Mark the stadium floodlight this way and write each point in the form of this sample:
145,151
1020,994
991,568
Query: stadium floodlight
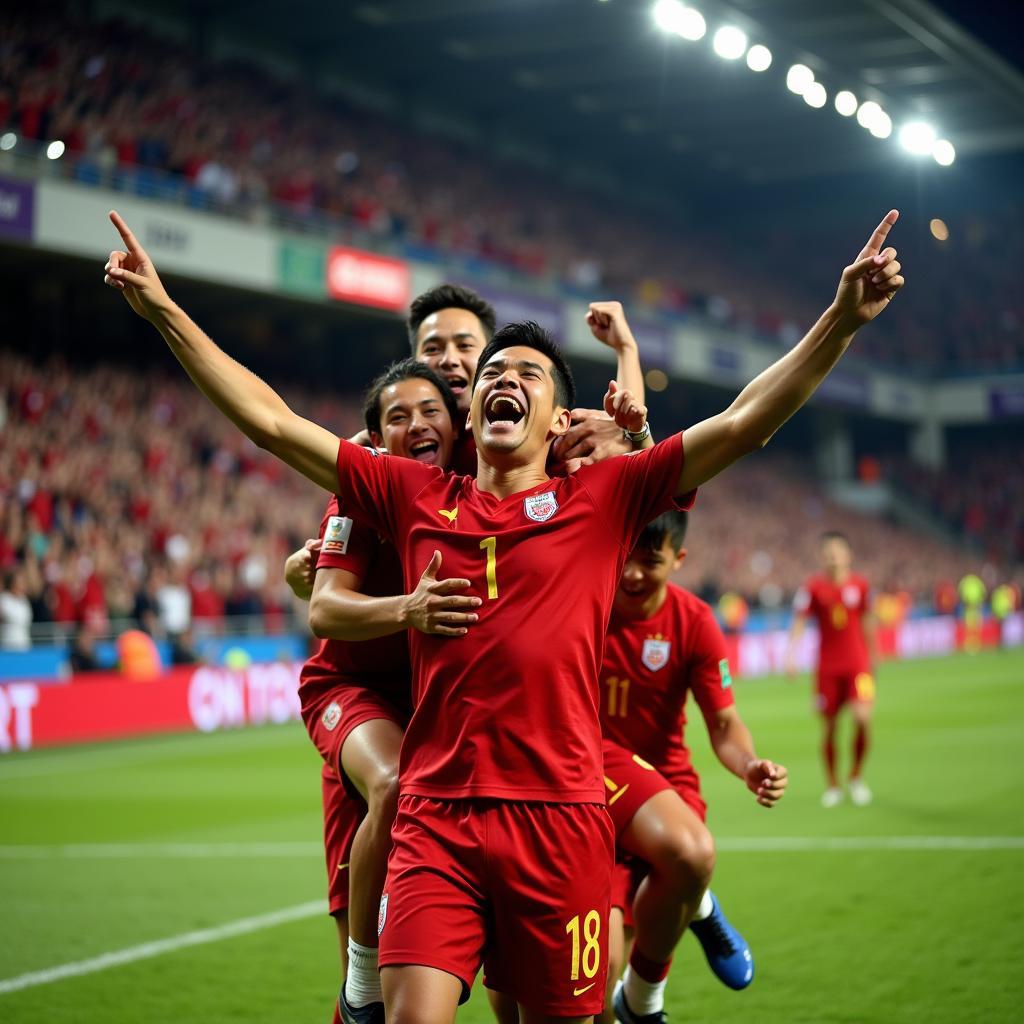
846,103
881,125
867,113
55,150
8,141
730,42
943,152
918,137
677,19
798,78
759,58
815,95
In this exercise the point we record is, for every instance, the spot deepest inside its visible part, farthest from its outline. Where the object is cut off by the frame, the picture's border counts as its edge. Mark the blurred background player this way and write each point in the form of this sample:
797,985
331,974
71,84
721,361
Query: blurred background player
664,644
840,603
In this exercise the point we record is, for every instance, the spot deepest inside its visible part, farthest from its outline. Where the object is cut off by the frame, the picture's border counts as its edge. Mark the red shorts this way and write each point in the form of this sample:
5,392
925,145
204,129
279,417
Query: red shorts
521,887
629,782
835,689
334,713
630,871
342,816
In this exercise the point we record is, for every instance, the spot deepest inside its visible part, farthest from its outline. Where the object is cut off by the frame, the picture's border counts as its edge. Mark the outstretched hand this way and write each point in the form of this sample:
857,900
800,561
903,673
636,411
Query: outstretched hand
627,412
131,271
767,781
869,284
436,606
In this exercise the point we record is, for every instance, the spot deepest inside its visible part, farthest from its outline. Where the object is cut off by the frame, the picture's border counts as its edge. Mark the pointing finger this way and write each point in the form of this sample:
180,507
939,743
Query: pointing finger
130,241
878,236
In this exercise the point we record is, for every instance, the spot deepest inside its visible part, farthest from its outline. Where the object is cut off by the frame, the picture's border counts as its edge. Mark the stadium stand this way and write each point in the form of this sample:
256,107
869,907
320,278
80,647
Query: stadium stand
169,519
147,115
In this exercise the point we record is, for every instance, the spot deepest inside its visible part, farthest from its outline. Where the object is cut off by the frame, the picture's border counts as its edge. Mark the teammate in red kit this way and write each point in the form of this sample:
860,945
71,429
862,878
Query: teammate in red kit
664,644
502,844
840,602
356,696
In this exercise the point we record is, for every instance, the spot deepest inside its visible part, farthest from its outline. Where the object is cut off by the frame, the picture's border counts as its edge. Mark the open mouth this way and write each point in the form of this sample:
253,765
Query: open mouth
457,383
504,408
425,451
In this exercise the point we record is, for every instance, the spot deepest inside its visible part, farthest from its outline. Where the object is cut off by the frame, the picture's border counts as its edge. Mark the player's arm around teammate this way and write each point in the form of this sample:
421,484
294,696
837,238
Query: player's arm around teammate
866,287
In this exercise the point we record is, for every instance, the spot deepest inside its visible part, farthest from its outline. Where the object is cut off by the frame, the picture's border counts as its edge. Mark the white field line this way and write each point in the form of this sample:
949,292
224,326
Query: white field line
827,844
284,850
146,950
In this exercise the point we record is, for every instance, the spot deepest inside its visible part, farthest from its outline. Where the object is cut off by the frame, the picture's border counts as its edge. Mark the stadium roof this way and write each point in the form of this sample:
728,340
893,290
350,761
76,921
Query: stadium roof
593,87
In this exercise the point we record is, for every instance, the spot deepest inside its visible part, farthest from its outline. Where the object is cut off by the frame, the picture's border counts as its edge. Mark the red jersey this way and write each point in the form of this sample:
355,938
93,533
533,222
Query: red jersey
510,709
381,664
839,610
650,665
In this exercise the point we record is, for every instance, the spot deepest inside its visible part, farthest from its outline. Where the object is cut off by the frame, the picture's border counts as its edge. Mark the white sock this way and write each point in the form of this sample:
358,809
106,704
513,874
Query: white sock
362,984
643,997
705,908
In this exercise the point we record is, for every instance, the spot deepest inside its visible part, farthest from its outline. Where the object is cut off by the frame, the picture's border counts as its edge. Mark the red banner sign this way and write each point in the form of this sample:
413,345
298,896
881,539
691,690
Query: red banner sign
104,706
366,279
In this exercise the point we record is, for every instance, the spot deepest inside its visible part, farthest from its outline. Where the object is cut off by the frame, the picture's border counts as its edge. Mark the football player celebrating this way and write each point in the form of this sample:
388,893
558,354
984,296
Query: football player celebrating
502,843
840,603
663,644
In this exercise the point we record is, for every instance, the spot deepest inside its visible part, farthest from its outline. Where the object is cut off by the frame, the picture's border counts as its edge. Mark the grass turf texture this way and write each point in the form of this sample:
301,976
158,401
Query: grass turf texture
846,935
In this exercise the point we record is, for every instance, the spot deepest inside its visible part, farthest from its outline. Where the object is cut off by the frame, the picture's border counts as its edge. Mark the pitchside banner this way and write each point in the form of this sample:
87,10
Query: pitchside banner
105,706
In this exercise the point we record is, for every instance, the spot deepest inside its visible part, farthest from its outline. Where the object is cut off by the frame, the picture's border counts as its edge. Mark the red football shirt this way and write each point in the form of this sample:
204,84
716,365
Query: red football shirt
381,664
510,710
839,609
650,665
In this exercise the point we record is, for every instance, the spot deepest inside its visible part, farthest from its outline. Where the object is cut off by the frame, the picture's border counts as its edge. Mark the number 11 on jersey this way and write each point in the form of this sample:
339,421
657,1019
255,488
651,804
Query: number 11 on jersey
490,545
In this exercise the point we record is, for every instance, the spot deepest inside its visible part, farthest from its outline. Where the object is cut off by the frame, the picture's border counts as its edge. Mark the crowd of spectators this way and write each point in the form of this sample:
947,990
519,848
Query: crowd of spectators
125,498
981,501
756,532
131,107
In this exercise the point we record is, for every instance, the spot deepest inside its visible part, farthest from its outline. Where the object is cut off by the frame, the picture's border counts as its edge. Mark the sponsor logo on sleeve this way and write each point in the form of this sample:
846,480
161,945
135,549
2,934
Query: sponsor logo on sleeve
339,529
540,507
724,673
655,652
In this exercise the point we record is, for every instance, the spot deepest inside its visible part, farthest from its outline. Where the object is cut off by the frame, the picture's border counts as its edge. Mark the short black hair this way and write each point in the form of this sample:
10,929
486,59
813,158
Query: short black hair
531,335
449,296
834,535
669,525
404,369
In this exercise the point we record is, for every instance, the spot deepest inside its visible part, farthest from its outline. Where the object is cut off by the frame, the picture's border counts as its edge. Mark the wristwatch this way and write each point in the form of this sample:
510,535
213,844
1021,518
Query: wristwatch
639,436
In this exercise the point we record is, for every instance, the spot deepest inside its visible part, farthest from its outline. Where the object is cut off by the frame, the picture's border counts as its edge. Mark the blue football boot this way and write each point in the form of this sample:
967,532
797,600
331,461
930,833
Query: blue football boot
726,950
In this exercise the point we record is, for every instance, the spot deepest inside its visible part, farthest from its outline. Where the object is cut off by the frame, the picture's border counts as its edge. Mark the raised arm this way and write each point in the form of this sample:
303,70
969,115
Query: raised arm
251,404
865,289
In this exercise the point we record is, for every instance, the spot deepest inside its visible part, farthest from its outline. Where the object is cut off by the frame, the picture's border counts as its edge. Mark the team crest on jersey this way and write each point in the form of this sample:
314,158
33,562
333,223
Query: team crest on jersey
339,529
331,716
655,653
382,914
851,595
540,507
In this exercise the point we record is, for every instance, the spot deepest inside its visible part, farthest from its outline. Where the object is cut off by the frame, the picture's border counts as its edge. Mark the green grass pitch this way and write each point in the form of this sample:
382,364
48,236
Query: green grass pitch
106,848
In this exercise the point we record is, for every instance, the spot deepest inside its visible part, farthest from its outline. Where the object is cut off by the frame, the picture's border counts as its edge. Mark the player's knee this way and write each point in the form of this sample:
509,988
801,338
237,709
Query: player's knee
382,794
688,857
